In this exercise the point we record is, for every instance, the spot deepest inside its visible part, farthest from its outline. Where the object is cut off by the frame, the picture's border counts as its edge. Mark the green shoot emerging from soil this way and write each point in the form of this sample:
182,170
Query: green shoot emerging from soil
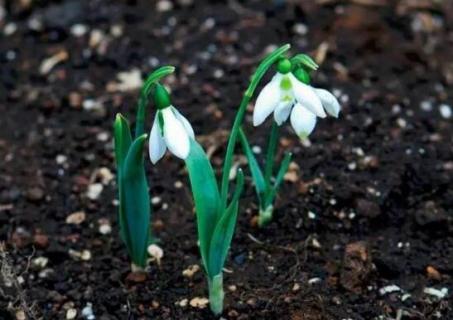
134,204
287,95
216,211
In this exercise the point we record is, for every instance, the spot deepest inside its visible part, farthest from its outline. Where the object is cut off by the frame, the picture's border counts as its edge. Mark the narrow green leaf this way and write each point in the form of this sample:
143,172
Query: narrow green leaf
279,178
224,230
123,140
255,170
136,204
303,60
206,196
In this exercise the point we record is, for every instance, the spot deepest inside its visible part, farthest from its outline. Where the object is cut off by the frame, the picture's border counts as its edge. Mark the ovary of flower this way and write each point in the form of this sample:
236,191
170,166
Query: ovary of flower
285,95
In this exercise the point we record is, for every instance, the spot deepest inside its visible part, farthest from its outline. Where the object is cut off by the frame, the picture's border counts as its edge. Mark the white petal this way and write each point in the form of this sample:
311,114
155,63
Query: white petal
307,97
302,120
184,122
329,102
175,134
267,100
156,143
282,111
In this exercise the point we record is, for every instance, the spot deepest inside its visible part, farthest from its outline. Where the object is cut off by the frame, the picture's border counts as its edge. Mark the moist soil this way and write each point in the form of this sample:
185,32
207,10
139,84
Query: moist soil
362,227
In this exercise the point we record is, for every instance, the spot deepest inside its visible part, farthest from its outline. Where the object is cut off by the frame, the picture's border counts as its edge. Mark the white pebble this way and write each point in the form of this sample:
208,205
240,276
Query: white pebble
87,312
256,149
426,105
311,215
314,280
79,30
71,314
445,111
300,29
61,159
9,29
94,191
389,289
440,294
105,229
164,5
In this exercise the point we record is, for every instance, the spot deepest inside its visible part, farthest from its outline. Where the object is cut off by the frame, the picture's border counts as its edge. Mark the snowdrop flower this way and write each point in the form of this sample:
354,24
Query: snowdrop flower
288,96
170,129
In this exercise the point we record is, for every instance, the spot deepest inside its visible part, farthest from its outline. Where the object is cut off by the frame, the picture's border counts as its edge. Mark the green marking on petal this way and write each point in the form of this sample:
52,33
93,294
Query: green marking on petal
160,119
285,84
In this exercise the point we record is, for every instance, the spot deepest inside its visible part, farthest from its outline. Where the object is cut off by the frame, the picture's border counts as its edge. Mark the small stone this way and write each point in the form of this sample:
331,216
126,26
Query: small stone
61,159
439,294
20,315
232,288
191,270
296,287
389,289
164,6
48,64
79,30
199,302
126,81
105,228
75,100
105,175
433,273
76,218
35,194
300,29
182,303
156,253
40,262
445,111
94,191
71,314
87,312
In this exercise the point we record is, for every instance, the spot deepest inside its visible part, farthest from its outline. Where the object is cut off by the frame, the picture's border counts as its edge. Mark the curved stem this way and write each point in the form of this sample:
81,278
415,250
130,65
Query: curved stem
272,146
256,78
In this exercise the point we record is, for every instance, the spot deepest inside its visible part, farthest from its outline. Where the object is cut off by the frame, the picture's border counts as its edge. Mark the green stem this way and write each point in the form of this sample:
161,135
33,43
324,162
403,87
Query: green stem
141,115
265,215
256,78
216,294
272,146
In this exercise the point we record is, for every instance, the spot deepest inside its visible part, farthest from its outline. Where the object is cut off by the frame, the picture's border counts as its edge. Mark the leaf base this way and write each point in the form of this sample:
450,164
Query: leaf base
216,294
265,216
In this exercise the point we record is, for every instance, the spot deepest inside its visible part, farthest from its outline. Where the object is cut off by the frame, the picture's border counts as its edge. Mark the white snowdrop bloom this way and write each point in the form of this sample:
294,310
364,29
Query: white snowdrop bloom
286,96
170,129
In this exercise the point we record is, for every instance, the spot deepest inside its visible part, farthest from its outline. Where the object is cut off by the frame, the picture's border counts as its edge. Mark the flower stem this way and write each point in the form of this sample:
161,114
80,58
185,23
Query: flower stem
272,146
265,216
216,294
256,78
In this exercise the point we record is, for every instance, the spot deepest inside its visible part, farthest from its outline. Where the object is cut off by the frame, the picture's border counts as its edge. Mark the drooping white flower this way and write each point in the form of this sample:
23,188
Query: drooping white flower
286,96
170,130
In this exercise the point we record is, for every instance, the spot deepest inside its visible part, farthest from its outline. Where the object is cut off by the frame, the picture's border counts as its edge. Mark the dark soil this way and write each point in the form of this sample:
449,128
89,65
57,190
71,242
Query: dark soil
367,205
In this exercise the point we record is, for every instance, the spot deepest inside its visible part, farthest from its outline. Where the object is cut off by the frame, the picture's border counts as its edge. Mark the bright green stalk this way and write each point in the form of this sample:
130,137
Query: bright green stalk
271,152
256,78
134,212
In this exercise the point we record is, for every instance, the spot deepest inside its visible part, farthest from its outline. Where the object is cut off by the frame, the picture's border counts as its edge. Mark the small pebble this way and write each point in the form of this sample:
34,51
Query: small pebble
389,289
156,253
445,111
40,262
71,314
79,30
199,302
76,217
105,229
191,270
94,191
164,6
182,303
440,294
87,312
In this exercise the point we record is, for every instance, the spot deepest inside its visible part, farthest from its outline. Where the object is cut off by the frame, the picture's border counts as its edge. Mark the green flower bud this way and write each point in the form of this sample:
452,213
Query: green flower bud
161,97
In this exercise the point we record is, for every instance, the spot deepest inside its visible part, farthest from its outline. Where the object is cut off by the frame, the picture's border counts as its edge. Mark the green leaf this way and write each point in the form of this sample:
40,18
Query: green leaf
206,196
123,140
257,175
279,178
224,230
303,60
136,204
